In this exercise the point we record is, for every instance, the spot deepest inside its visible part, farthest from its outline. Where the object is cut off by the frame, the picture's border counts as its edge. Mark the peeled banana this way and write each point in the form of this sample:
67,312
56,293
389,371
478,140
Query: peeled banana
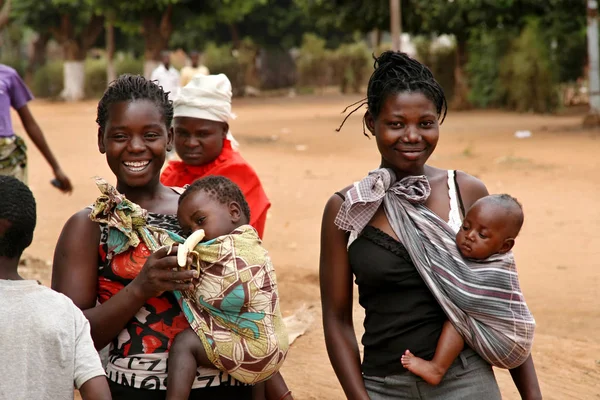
188,247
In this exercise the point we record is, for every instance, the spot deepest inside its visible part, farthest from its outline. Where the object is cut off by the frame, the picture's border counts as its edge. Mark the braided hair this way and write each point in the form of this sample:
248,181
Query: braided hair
17,208
223,189
130,88
396,72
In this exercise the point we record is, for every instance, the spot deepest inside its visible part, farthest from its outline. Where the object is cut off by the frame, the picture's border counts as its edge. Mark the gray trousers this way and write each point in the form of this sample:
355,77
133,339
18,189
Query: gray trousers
469,378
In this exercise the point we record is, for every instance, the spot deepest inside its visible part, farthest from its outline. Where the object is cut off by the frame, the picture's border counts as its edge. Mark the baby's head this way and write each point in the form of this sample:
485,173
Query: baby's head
214,204
490,227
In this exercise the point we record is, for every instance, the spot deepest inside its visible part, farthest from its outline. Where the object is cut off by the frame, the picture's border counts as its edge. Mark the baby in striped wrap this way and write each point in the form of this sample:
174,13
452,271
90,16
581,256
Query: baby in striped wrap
233,311
490,227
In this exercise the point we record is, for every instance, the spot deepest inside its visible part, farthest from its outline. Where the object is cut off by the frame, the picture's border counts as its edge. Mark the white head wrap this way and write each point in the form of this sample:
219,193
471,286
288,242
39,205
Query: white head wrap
206,97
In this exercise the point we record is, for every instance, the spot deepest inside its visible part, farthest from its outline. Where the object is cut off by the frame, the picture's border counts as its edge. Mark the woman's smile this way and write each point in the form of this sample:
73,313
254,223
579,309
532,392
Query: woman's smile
411,154
136,166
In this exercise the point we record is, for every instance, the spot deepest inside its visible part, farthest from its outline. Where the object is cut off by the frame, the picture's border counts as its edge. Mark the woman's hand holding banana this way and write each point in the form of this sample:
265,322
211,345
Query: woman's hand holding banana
187,248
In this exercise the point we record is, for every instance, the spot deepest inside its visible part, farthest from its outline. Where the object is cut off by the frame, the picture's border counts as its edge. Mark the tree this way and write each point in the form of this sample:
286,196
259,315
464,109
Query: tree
212,20
74,25
150,19
4,12
342,14
231,12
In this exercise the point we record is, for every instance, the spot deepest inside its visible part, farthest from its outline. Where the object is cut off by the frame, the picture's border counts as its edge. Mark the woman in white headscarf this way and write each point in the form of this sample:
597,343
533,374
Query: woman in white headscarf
202,110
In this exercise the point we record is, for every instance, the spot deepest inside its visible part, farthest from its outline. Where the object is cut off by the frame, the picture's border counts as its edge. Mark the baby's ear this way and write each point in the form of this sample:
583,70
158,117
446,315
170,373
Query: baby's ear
507,246
235,211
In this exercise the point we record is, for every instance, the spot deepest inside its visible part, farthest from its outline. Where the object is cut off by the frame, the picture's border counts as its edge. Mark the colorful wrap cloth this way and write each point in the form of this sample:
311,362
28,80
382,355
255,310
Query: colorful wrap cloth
13,157
482,299
234,307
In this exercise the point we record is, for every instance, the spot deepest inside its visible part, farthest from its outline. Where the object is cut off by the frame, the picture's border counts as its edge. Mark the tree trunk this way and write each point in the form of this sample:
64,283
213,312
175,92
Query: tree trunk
375,39
156,37
235,35
460,100
37,57
75,47
4,13
593,62
395,25
111,73
74,80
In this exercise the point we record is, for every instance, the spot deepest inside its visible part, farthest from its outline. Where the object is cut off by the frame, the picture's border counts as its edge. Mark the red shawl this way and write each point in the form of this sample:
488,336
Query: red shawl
229,164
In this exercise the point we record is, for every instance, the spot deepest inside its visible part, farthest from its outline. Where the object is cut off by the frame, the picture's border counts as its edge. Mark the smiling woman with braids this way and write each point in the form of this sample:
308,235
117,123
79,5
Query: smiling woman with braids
370,230
137,314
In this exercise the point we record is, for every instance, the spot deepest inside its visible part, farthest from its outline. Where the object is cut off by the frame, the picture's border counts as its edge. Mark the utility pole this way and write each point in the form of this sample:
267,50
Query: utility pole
395,24
593,57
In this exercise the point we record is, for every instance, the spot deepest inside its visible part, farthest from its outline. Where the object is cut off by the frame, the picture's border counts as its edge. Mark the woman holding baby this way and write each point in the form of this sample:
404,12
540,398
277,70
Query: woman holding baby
126,294
381,247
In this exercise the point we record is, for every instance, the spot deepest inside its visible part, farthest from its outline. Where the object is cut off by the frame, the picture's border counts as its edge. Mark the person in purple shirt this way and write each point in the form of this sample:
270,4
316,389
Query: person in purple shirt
13,151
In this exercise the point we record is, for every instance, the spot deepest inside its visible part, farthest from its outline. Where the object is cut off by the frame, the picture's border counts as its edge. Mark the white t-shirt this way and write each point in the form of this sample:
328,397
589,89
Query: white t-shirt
45,344
167,78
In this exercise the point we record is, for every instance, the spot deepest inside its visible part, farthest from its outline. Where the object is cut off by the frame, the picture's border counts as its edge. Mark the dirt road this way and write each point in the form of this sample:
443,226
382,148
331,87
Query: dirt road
302,161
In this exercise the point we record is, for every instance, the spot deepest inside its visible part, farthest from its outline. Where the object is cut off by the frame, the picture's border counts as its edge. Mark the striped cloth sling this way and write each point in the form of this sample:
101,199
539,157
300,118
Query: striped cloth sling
482,299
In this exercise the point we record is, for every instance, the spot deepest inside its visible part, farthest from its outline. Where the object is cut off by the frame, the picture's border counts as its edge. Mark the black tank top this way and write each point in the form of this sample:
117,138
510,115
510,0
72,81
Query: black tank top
401,312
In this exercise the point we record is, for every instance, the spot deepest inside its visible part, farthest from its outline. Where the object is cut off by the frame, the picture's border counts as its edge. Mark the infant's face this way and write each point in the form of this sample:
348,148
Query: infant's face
200,210
483,232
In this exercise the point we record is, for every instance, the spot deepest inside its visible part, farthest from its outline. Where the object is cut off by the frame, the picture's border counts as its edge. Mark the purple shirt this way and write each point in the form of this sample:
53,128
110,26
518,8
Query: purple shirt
13,92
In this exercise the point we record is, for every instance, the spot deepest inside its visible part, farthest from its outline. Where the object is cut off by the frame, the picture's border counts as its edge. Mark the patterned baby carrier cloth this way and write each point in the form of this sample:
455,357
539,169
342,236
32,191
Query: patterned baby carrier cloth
234,307
13,157
482,299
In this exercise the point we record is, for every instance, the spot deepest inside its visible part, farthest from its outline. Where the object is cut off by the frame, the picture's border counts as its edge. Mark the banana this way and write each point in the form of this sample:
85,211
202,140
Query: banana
188,246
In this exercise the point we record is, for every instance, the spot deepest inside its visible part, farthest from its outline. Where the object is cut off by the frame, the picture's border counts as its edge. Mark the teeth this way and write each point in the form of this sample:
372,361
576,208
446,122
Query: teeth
136,164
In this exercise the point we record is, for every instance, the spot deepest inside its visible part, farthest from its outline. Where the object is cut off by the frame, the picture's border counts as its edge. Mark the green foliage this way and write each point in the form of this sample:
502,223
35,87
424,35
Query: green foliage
18,63
528,75
95,73
313,62
11,53
198,22
48,80
441,60
276,24
486,50
346,67
352,66
129,65
46,15
348,15
563,25
558,37
236,64
95,77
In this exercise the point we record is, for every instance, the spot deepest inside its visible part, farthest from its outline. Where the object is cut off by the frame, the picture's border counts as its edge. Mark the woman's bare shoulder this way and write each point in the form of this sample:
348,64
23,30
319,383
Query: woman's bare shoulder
471,188
334,203
80,225
343,191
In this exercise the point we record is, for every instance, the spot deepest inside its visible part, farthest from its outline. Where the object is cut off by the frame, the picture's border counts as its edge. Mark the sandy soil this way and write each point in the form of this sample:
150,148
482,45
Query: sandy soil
302,161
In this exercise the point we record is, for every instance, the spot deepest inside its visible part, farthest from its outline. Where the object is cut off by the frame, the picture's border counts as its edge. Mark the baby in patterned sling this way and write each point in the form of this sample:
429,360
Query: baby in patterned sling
490,227
233,311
